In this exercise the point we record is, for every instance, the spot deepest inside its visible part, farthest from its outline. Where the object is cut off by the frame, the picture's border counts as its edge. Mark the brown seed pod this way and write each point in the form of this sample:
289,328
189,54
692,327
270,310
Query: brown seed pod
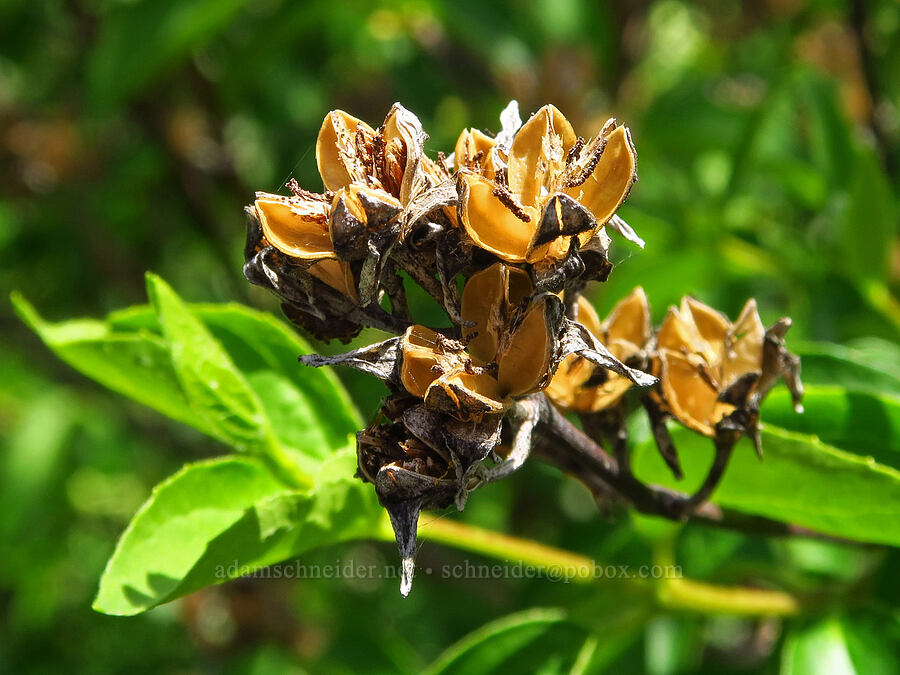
554,190
701,356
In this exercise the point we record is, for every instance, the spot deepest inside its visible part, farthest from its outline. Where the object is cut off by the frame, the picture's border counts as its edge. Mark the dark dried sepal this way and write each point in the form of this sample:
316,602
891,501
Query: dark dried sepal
664,443
576,339
381,359
467,442
563,217
350,234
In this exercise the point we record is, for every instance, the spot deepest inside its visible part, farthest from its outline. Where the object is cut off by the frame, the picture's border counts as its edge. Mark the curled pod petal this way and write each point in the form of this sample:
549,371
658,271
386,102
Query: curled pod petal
689,396
607,186
744,345
295,226
424,359
337,274
525,360
493,222
711,326
404,148
338,150
487,301
628,326
538,153
475,151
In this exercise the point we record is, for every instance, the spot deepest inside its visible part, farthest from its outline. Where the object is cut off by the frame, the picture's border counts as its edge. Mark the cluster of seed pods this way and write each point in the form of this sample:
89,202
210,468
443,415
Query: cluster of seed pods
504,233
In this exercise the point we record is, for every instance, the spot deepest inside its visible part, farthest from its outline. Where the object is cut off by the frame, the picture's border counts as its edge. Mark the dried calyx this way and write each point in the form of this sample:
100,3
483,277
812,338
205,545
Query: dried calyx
522,219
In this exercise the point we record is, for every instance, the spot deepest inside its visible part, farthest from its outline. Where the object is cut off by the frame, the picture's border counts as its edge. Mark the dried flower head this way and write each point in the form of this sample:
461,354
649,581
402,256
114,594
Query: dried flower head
522,224
711,368
506,351
551,188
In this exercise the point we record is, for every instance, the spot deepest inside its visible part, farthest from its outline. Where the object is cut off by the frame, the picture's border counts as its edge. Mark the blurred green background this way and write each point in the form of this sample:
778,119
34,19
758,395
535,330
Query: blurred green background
131,135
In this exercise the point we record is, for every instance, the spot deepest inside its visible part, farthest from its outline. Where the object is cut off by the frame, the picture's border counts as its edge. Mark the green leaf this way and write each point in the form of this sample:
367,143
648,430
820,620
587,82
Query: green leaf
139,40
801,480
862,422
838,647
258,342
869,221
135,364
486,648
853,369
216,390
225,518
173,528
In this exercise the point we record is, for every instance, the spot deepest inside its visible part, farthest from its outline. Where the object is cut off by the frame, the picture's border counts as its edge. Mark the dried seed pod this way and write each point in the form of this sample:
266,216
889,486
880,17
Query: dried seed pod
556,195
358,212
524,360
510,357
710,368
405,171
408,475
427,355
494,220
489,299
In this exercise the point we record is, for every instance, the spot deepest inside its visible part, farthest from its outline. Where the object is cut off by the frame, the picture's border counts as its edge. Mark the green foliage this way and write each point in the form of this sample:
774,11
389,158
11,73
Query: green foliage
226,518
800,479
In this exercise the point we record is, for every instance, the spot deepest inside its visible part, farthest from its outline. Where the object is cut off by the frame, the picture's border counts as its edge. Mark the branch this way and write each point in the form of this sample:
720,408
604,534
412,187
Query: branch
577,454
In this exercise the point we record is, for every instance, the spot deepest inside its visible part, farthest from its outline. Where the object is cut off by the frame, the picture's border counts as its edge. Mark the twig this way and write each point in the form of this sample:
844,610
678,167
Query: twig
577,454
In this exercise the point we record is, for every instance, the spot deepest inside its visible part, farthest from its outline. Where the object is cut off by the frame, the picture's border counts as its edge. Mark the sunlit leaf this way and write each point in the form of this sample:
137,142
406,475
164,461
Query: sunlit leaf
223,518
801,480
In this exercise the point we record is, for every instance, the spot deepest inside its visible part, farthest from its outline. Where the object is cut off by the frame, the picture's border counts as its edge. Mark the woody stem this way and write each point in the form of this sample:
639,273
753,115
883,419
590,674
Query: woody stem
724,446
577,454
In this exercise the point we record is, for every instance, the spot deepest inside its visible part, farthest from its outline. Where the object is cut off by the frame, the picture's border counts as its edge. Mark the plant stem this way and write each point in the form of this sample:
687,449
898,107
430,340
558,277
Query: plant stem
689,595
678,594
554,561
724,446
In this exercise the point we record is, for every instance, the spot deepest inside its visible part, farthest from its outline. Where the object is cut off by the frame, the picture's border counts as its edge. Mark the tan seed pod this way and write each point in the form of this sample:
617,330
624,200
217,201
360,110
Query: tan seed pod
701,355
487,300
625,332
425,360
524,364
689,396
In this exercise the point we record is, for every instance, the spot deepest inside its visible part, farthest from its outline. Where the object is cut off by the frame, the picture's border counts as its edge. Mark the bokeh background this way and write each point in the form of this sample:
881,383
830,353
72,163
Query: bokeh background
133,132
